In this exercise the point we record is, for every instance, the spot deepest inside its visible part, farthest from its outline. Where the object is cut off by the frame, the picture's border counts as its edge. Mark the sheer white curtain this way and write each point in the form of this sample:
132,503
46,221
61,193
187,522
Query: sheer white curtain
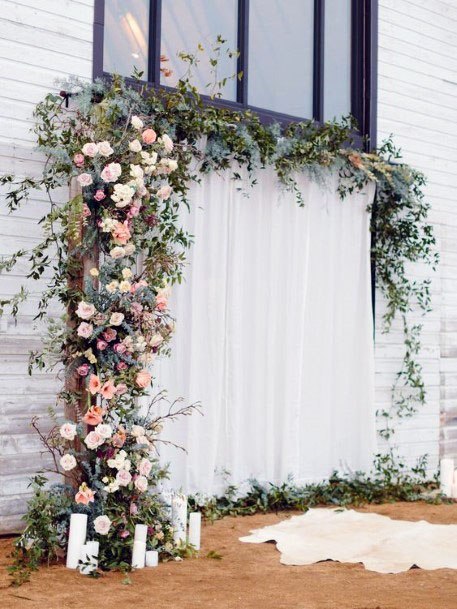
274,336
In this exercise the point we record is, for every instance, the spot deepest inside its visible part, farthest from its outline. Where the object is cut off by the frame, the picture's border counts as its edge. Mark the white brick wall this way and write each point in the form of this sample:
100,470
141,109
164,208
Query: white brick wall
417,104
40,41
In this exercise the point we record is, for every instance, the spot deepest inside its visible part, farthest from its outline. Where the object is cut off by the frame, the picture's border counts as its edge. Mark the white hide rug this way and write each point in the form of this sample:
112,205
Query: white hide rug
380,543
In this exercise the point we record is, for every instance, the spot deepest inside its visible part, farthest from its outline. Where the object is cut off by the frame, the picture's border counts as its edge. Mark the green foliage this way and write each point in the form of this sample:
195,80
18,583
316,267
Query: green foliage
390,482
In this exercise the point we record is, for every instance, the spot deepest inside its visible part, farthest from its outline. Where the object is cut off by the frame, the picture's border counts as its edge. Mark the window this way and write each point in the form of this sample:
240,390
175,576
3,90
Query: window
299,58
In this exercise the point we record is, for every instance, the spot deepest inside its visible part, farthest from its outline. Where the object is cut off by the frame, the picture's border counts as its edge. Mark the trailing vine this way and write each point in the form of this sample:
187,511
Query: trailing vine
135,153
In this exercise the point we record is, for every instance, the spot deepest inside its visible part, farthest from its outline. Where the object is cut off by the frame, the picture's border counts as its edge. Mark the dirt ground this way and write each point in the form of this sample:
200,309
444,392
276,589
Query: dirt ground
248,576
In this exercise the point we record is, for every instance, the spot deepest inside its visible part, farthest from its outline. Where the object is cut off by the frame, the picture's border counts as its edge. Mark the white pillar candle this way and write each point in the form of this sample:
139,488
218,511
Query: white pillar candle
179,517
138,554
76,539
152,558
446,476
89,555
195,527
141,531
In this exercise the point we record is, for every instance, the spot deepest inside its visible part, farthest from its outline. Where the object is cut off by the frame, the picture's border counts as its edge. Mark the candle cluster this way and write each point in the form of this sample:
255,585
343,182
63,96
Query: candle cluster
84,554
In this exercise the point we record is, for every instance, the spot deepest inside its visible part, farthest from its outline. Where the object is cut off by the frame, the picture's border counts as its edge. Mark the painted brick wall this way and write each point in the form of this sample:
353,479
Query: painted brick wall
39,43
418,105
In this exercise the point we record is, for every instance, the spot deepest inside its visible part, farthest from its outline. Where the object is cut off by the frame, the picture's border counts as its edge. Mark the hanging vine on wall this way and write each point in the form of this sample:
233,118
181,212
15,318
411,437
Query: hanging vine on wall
133,152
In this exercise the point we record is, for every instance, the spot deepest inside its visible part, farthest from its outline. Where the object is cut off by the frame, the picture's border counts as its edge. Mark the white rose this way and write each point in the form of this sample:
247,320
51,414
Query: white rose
67,462
156,340
137,431
172,164
112,487
93,440
85,310
141,483
105,149
122,195
85,179
104,430
112,286
102,525
136,171
135,146
116,319
125,286
167,142
129,249
117,252
90,149
68,431
136,122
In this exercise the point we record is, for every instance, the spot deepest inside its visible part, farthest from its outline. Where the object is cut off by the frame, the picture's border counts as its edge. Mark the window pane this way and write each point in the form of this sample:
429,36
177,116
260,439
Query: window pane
187,23
337,59
125,42
281,56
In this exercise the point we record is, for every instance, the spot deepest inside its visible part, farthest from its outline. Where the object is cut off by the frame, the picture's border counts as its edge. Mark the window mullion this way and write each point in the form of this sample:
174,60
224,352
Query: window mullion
243,48
155,26
318,66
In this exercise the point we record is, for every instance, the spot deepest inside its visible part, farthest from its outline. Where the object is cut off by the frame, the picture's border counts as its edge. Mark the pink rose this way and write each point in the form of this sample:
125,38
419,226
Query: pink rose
90,149
111,172
136,308
83,370
143,379
121,366
141,484
145,467
85,330
78,159
86,210
149,136
123,477
124,534
101,345
121,233
99,195
109,334
121,389
164,192
102,525
161,302
85,179
93,440
133,509
119,348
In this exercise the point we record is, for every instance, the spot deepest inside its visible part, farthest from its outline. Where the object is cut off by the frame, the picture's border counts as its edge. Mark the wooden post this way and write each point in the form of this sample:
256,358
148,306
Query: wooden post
80,266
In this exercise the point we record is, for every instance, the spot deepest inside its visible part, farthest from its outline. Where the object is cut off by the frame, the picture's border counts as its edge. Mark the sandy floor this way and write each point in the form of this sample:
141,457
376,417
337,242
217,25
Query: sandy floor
249,576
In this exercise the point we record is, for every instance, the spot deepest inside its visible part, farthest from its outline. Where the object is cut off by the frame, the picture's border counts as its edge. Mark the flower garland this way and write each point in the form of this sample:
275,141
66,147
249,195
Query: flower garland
117,247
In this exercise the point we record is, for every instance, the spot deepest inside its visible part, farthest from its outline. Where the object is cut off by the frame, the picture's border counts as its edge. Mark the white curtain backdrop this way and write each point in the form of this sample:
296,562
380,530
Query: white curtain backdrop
274,336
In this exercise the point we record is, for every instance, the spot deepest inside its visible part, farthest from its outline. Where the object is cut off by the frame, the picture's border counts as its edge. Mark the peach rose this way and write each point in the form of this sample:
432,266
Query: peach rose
149,136
68,431
164,192
121,233
94,384
123,477
141,484
94,416
85,495
78,159
119,438
143,379
108,390
145,467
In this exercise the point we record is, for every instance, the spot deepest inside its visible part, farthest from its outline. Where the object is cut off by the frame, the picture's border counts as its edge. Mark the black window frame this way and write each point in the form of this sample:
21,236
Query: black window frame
364,42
